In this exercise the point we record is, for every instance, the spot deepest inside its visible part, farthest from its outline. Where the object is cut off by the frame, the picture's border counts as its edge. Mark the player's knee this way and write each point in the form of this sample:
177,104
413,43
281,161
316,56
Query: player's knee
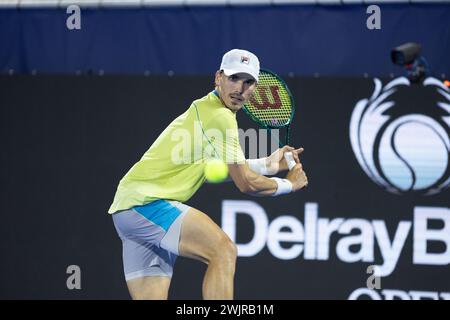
231,251
226,251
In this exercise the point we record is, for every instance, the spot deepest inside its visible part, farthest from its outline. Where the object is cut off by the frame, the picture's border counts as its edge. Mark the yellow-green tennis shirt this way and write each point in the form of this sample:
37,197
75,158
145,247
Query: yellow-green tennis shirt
173,167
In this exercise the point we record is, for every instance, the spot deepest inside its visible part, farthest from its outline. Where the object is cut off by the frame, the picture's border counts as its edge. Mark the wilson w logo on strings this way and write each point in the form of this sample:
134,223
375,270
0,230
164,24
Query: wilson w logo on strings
261,98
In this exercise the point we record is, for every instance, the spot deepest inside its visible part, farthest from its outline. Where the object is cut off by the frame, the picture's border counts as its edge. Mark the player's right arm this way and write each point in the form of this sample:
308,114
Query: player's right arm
254,184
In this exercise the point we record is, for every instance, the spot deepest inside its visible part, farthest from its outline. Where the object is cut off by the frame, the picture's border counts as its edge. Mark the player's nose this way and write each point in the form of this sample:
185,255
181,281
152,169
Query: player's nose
241,86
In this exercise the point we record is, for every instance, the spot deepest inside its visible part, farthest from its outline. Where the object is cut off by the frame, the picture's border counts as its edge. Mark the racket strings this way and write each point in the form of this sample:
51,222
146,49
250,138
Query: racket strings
271,102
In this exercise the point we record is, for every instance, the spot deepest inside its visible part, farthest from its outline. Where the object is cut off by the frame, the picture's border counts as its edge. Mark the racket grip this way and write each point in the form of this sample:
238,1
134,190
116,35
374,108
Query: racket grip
290,160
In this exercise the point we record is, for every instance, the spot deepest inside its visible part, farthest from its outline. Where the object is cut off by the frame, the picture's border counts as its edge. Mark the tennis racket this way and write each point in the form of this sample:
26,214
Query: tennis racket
272,107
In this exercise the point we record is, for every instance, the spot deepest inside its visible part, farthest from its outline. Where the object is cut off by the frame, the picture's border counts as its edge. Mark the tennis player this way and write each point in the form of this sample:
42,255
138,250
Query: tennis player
148,210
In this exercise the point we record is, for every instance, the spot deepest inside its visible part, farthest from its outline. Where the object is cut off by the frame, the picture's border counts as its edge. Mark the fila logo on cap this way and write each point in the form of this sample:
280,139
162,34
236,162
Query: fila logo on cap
245,60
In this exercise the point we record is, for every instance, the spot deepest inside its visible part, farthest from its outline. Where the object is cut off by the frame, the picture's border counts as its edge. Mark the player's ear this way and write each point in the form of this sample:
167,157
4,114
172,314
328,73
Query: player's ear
218,77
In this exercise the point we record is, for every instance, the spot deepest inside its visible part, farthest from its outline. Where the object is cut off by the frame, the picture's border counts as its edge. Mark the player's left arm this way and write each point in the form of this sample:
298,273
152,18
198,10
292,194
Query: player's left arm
274,163
250,182
254,184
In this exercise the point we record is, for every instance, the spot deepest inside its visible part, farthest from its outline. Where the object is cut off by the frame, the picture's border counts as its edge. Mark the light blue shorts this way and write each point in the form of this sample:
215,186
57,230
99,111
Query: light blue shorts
150,236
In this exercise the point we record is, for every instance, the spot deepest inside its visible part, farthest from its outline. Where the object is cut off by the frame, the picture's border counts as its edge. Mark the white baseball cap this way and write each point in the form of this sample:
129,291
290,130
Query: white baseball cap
237,61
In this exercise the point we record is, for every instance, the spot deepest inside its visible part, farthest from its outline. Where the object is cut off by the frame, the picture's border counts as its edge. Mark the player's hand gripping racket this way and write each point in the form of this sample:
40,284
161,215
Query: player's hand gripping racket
272,107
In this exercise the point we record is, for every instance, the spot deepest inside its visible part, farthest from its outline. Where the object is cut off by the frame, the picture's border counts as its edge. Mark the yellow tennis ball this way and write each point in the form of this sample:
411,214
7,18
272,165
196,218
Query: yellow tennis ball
216,171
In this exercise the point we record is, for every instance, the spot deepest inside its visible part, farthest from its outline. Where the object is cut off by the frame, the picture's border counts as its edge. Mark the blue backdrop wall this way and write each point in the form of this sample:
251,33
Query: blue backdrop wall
302,40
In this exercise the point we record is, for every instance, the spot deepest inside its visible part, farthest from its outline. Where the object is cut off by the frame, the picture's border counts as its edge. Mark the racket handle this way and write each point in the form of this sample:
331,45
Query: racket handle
290,160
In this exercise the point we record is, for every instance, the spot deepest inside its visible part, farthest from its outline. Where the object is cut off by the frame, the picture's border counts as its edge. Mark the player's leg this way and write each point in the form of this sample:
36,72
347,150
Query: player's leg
149,288
204,240
148,271
148,268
